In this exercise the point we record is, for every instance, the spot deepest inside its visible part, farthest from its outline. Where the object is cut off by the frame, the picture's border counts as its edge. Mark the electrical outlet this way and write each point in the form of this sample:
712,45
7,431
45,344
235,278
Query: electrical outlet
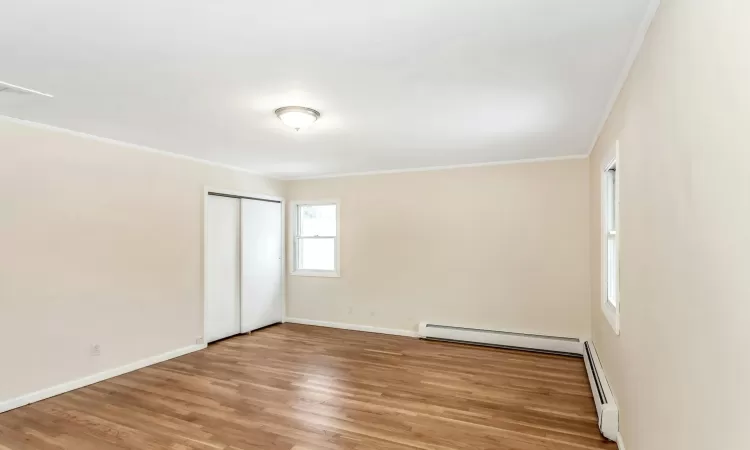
199,340
96,350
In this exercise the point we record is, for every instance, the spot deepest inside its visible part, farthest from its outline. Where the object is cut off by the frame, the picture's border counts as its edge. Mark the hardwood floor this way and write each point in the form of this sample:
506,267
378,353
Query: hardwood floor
298,387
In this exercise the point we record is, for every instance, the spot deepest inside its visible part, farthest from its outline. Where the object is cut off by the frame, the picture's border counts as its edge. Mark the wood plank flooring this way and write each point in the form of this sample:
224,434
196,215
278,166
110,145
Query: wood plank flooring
297,387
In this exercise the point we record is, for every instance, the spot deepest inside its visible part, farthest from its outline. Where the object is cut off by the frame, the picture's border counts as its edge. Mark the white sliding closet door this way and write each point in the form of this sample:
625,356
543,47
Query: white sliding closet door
261,263
222,261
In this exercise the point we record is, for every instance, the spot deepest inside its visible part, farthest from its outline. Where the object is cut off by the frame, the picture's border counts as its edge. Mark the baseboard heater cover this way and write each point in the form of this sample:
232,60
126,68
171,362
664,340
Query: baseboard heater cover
496,338
606,408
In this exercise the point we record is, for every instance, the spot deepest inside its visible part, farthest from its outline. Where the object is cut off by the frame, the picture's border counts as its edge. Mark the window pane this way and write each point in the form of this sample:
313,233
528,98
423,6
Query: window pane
316,254
317,220
611,201
611,271
615,199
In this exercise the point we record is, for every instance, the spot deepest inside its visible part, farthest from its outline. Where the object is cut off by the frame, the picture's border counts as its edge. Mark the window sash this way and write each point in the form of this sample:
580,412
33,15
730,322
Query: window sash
298,231
612,269
611,200
299,253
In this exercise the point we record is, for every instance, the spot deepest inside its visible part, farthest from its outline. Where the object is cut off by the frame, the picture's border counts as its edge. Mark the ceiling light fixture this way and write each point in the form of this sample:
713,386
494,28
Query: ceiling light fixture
297,117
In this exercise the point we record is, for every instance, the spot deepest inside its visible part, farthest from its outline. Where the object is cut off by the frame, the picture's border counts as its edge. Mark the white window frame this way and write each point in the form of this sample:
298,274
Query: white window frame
295,240
611,309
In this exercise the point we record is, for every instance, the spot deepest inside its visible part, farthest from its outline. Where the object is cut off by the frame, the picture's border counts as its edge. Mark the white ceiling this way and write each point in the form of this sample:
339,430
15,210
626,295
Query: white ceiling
399,83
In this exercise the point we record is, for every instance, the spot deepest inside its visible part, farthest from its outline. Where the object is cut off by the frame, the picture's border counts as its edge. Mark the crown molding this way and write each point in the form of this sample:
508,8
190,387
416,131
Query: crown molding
435,168
635,49
142,148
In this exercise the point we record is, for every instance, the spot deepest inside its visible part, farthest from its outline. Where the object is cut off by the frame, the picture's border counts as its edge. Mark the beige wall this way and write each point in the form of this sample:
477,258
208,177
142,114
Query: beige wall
499,247
102,244
99,243
680,367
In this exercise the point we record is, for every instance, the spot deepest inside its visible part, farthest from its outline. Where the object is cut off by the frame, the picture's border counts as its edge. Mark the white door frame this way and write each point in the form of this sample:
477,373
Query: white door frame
206,191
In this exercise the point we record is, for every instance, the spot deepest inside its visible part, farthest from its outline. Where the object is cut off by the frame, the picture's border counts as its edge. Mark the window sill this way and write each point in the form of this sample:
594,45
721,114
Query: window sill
316,273
613,316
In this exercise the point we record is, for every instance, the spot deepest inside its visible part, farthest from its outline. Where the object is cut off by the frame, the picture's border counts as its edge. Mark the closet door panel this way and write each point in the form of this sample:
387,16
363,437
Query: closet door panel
222,267
261,264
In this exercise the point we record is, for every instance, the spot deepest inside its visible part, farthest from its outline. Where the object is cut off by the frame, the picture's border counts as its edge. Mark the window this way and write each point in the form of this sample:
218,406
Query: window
611,260
611,232
316,241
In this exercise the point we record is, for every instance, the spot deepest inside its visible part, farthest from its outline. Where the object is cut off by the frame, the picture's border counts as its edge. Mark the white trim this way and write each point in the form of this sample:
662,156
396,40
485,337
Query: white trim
42,394
142,148
437,168
336,273
349,326
206,190
620,443
635,49
611,312
315,273
612,315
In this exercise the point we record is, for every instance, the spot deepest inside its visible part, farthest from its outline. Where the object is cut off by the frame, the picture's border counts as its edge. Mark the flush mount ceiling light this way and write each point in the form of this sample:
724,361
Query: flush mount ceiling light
297,117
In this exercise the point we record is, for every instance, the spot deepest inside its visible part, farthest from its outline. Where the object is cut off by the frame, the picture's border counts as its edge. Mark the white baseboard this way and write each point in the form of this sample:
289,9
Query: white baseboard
349,326
620,444
41,394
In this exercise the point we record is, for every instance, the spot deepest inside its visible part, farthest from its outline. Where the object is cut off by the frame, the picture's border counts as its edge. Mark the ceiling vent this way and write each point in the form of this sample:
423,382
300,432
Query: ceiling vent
7,88
15,101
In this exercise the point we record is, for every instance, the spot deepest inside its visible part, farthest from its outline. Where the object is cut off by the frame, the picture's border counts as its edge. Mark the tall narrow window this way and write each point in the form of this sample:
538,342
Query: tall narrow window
611,231
610,243
316,239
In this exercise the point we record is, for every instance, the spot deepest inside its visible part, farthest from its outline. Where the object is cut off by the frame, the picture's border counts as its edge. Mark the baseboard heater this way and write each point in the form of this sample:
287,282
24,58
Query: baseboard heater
505,339
606,408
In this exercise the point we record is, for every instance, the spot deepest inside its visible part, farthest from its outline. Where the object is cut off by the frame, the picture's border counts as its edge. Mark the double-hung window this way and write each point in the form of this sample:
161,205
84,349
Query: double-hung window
611,257
316,240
